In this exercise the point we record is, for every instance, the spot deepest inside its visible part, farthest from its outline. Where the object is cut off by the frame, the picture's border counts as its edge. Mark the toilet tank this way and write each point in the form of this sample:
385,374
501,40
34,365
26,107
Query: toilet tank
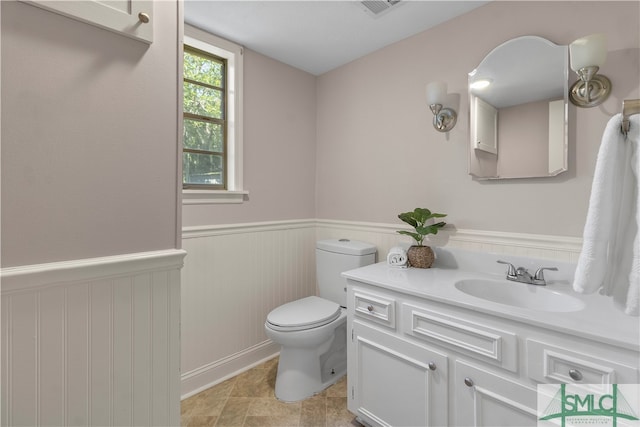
334,256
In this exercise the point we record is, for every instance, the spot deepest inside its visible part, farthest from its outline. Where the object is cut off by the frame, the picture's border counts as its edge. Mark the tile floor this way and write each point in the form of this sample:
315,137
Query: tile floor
248,400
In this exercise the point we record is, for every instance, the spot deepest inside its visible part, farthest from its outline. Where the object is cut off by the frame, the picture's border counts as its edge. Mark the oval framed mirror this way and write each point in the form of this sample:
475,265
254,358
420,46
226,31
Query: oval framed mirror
518,104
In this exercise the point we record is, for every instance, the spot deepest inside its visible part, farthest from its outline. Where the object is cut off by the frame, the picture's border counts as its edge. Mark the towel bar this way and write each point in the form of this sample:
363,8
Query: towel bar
629,108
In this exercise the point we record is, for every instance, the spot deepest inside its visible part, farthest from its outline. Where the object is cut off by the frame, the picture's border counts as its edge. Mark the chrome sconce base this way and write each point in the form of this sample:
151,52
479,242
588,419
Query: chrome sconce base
444,119
592,89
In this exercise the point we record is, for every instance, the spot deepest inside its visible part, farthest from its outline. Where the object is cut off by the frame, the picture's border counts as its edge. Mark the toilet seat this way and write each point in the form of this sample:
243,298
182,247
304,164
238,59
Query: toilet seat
306,313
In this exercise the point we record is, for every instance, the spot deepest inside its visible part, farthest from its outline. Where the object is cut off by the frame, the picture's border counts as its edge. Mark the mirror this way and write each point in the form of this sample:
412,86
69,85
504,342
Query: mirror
518,119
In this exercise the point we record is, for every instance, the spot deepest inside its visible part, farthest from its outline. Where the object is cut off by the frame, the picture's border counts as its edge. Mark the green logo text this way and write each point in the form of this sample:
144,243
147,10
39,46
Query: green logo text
565,405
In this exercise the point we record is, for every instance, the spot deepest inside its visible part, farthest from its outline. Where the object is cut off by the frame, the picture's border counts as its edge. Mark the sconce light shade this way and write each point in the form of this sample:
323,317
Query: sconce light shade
588,51
436,92
444,119
587,55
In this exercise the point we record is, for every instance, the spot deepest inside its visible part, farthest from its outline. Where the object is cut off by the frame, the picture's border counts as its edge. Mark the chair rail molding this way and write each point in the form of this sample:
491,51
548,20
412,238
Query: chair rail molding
25,277
385,237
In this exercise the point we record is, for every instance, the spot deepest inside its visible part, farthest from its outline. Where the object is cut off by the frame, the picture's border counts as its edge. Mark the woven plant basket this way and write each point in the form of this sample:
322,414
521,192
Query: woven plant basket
420,256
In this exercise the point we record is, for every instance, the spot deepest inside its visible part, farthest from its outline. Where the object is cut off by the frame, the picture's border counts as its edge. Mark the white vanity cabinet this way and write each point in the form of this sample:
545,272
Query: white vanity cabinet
417,361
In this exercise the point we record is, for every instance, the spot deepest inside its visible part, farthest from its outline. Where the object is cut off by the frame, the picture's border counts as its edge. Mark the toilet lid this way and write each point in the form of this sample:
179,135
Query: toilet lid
305,313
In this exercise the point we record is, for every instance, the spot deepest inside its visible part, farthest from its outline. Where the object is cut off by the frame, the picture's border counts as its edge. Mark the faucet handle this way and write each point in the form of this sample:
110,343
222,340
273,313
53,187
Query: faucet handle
511,271
539,276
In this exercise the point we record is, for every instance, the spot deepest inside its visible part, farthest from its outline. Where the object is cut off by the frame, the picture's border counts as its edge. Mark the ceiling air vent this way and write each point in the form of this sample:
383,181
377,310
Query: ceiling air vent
378,8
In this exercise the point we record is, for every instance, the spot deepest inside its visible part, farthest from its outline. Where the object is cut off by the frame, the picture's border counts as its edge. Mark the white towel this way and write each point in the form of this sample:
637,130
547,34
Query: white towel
397,257
610,257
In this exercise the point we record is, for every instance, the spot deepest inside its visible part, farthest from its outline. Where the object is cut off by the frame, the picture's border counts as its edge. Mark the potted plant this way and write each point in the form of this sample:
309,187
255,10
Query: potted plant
421,256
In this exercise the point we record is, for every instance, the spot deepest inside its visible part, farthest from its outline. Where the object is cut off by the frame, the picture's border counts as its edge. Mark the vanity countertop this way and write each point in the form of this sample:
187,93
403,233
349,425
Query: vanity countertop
598,320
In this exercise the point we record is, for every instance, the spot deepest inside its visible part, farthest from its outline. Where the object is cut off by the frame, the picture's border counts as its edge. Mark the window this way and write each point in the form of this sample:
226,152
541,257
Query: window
212,119
204,143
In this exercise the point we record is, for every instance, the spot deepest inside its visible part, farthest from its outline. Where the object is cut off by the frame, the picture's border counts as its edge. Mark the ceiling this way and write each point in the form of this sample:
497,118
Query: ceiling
318,36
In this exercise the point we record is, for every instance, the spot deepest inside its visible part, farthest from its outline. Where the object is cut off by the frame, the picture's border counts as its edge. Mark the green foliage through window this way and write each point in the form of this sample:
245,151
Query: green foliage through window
204,144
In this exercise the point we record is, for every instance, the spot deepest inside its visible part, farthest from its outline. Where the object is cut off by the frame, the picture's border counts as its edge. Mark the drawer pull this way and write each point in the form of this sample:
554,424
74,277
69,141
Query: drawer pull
468,382
370,308
432,366
575,374
144,17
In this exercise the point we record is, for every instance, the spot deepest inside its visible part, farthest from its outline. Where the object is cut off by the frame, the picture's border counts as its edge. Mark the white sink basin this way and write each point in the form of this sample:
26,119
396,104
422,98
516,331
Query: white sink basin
520,295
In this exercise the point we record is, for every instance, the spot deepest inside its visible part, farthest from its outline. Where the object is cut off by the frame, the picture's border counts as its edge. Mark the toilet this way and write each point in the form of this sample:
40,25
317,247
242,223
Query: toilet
312,331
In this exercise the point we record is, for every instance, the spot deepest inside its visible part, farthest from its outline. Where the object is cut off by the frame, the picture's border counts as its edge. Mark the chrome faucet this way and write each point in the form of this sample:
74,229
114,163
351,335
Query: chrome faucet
521,274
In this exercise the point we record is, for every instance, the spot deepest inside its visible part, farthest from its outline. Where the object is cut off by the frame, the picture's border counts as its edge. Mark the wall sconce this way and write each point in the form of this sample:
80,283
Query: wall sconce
444,119
587,56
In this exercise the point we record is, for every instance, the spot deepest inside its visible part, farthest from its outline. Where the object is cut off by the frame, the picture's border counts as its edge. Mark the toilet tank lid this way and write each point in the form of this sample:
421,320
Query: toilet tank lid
346,246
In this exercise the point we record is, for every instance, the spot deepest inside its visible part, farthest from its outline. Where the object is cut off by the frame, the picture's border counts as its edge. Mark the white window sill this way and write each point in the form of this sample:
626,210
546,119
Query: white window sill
210,197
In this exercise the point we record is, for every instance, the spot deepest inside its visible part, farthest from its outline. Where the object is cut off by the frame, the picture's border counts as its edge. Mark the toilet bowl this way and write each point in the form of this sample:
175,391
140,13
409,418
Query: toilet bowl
312,331
304,348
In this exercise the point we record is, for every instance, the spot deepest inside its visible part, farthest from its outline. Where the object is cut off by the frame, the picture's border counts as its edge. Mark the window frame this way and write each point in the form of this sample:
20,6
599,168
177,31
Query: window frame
233,54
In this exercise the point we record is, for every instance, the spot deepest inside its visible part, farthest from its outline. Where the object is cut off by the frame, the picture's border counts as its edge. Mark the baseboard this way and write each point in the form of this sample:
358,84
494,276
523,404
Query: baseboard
207,376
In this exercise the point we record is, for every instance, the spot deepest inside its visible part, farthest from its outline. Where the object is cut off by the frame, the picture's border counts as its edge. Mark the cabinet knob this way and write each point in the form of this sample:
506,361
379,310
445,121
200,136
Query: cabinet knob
468,382
575,374
370,308
144,17
432,366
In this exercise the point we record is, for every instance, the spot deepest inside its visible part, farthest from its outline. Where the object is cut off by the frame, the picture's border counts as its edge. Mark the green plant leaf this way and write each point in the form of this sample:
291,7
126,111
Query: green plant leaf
417,219
408,218
421,214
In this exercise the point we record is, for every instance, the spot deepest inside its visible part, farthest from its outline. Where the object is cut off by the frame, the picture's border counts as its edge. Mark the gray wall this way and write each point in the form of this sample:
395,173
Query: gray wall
379,155
89,154
89,137
279,147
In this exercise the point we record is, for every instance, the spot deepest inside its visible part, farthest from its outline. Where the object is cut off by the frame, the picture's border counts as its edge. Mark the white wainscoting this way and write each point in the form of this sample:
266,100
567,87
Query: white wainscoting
235,274
92,342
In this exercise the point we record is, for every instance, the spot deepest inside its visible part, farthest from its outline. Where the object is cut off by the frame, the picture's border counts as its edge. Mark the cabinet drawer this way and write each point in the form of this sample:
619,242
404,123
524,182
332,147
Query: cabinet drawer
483,342
550,364
375,308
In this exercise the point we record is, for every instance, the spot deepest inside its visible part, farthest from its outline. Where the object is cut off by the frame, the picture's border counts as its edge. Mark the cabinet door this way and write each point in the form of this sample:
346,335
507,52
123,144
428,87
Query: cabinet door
395,383
131,18
484,398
